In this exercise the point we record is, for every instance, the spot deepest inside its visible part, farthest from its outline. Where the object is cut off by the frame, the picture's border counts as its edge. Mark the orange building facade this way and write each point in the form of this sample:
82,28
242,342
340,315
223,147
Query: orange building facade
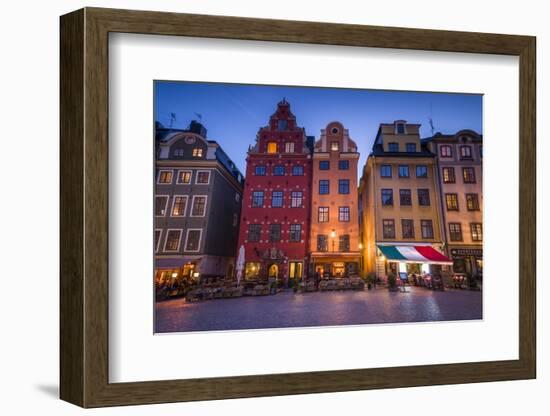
334,233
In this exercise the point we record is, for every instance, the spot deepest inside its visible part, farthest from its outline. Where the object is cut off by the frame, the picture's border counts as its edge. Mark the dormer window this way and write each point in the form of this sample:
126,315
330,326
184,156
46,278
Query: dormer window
393,147
334,146
400,128
282,125
272,147
465,152
411,147
197,152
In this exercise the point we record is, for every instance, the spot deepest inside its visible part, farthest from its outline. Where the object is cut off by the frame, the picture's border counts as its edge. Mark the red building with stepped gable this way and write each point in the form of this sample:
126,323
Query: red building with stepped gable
276,205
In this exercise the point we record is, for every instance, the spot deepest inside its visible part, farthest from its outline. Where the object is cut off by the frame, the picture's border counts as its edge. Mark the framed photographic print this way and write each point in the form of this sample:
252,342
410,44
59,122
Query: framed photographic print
255,207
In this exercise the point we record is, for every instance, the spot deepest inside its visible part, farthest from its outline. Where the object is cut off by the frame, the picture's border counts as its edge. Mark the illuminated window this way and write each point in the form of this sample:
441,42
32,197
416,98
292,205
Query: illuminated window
465,152
343,214
271,147
451,200
178,206
477,233
252,270
296,199
449,175
197,152
388,228
468,175
472,202
165,176
334,146
184,177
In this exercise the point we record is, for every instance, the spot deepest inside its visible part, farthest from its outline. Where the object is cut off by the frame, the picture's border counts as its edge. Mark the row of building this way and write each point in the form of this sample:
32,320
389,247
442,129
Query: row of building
301,210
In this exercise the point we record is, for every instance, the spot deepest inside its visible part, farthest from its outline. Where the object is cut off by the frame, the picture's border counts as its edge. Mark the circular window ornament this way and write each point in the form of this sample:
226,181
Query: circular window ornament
190,139
334,130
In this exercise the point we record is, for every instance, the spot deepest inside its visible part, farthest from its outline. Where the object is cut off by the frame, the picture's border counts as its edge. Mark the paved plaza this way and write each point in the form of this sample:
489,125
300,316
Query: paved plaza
288,309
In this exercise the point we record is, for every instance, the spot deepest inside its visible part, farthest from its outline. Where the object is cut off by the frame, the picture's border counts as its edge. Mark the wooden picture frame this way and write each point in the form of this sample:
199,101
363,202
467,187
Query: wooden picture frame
84,207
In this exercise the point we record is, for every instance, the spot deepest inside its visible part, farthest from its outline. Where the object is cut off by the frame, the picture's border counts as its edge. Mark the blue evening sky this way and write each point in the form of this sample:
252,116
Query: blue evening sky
233,113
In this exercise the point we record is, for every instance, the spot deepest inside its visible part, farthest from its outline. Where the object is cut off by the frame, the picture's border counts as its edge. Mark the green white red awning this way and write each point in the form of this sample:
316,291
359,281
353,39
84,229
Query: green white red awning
414,254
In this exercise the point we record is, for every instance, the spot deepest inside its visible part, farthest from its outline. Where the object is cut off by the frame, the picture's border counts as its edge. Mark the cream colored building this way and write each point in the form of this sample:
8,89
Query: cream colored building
399,205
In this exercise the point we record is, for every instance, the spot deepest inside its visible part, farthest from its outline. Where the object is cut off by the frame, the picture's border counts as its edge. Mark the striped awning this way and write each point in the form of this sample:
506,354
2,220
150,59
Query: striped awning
414,254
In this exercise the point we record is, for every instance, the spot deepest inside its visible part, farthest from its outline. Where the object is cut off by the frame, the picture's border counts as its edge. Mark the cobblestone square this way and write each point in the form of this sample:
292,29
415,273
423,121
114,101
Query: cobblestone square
288,309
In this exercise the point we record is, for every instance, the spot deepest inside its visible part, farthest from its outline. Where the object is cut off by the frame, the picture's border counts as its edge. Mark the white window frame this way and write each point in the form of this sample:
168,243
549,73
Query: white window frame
166,239
289,147
202,171
178,177
187,239
157,245
173,203
397,127
165,205
165,183
193,204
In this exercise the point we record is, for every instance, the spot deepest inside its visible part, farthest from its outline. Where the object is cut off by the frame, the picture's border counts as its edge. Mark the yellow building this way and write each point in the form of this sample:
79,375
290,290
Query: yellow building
399,204
334,232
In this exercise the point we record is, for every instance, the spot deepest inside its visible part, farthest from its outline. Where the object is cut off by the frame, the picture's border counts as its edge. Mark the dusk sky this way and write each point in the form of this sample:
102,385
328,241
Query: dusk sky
233,113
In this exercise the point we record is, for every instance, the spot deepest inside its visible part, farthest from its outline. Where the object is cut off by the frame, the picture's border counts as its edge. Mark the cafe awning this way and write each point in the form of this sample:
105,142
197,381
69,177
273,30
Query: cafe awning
414,254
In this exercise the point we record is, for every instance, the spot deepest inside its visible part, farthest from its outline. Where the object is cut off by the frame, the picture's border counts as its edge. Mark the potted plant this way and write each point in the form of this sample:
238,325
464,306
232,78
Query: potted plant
392,281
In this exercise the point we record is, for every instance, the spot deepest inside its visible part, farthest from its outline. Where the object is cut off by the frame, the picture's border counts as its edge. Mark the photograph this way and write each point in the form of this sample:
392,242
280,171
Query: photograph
294,207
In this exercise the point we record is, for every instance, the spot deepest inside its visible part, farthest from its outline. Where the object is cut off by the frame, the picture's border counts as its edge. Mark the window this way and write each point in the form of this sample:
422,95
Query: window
343,164
324,165
178,152
199,206
257,199
289,147
455,231
295,233
451,200
405,198
324,187
343,214
411,147
165,176
279,170
252,270
274,233
160,205
334,146
297,170
254,232
157,239
184,177
387,196
193,240
203,177
465,152
322,214
172,240
277,199
448,175
469,175
343,186
295,269
472,202
282,125
427,228
388,228
296,199
385,171
403,171
393,147
423,197
400,128
259,171
407,228
477,234
446,150
343,243
197,152
322,242
421,171
271,147
178,206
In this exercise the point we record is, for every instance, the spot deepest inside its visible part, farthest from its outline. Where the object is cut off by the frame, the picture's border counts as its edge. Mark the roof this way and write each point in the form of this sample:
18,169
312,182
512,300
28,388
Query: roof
378,150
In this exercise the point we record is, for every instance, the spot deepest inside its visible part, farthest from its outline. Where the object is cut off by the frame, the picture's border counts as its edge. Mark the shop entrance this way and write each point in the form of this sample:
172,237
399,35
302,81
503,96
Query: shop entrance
338,269
273,271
